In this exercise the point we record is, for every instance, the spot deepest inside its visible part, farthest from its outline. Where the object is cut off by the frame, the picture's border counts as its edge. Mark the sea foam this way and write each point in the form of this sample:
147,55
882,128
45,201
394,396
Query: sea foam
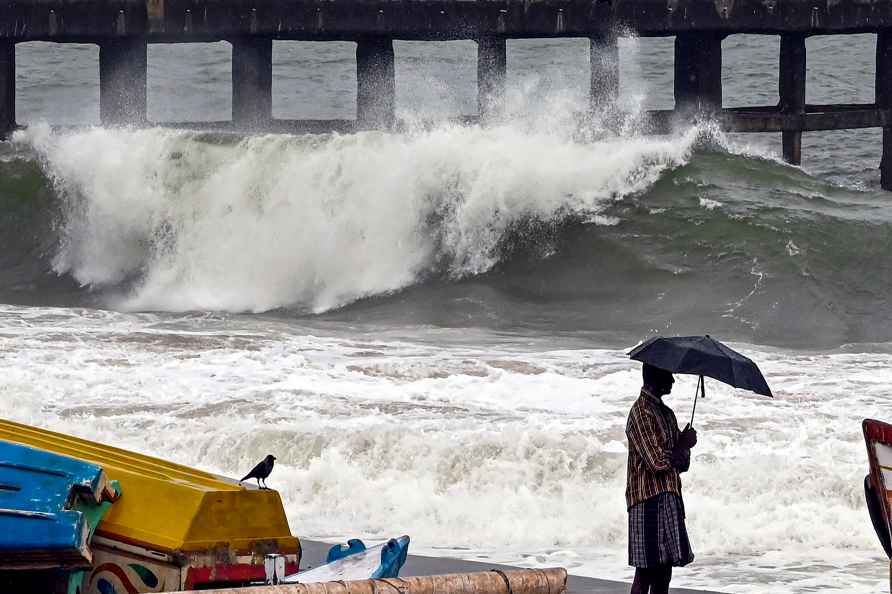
317,222
513,452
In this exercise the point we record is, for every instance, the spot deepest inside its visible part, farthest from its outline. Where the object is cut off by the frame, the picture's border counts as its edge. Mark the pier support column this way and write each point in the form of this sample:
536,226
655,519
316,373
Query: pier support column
492,66
252,81
792,91
122,82
604,58
7,88
883,87
698,72
376,84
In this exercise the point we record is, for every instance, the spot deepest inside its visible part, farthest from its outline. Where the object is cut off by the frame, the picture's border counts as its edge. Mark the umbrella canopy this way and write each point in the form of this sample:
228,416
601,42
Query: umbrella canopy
703,356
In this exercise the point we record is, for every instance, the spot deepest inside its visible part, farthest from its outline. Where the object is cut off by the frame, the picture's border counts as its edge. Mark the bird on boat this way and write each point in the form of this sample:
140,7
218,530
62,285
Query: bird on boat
261,471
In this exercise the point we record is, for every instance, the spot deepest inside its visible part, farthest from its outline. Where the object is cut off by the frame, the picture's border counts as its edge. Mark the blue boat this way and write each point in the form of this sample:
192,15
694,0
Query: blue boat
49,506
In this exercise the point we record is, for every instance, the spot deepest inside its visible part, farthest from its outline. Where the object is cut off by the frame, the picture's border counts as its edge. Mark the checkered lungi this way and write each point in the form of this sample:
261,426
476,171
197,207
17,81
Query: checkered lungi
657,534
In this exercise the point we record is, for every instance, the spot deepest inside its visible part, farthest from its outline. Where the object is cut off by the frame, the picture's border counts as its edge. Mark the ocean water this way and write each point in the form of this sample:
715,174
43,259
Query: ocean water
428,329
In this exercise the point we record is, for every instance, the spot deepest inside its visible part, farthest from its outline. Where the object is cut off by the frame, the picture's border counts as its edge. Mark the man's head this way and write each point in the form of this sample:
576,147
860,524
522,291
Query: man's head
657,381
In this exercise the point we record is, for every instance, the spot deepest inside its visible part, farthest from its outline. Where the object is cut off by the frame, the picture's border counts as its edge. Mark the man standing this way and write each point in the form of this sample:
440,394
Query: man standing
658,452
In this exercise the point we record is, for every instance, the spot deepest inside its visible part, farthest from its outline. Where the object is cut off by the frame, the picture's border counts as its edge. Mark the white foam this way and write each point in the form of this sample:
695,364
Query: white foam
513,452
317,222
709,204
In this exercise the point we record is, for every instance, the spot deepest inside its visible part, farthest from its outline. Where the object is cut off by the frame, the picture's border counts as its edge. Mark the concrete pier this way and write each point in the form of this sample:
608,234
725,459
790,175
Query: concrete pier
698,73
376,83
7,87
791,90
884,101
252,81
123,28
122,81
492,65
604,79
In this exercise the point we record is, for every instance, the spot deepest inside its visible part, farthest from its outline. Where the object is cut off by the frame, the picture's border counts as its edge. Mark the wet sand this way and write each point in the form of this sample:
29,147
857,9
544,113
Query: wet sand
314,553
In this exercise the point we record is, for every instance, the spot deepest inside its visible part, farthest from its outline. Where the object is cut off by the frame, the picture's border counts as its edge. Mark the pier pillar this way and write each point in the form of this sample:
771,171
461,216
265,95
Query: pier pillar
792,91
492,65
883,87
252,81
604,58
122,82
376,84
698,72
7,88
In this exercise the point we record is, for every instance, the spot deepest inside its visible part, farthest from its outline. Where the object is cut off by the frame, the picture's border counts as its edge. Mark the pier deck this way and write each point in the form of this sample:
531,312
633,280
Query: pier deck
314,553
123,28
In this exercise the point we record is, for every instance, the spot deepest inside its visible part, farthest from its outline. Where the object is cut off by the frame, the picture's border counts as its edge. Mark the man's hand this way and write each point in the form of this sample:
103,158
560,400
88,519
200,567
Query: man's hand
688,437
680,458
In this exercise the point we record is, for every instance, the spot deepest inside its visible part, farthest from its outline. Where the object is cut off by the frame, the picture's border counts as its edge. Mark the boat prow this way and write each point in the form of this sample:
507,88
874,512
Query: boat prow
357,563
878,483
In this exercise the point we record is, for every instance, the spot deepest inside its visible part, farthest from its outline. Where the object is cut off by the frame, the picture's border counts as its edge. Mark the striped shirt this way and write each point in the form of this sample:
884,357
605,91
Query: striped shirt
652,432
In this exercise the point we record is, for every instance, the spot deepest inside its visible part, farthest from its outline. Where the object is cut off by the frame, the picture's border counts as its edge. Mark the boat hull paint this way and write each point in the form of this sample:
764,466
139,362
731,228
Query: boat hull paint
878,483
49,505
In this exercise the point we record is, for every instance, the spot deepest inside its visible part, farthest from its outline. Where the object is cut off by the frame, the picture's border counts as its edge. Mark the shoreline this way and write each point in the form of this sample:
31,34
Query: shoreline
314,552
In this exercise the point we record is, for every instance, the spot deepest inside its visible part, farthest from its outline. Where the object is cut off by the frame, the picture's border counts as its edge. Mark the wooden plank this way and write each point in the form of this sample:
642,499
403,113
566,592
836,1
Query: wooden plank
508,581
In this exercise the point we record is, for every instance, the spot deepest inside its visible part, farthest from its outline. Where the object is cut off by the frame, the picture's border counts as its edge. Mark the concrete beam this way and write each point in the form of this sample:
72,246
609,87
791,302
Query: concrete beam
770,119
122,82
604,58
791,89
492,65
214,20
252,81
661,121
376,84
698,72
7,88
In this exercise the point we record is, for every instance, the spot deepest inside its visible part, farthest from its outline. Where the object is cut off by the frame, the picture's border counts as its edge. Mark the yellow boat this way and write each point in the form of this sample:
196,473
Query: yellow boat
174,527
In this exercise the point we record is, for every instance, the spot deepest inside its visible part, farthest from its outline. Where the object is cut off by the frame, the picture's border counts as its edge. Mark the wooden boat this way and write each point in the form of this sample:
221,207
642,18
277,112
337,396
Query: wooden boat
175,527
356,562
878,483
49,507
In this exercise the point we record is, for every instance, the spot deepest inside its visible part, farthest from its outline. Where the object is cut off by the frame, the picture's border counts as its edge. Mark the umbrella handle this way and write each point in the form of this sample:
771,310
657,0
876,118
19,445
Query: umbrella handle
701,386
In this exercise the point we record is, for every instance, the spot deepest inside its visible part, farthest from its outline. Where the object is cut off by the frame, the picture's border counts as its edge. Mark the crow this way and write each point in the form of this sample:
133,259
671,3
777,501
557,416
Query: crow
261,471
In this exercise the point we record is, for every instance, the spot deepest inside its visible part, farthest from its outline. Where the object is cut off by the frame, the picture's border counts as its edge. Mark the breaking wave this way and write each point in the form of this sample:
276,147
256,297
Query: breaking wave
515,225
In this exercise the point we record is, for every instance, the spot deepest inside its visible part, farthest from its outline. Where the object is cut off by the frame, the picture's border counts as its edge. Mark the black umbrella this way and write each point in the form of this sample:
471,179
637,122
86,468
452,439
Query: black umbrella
703,356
